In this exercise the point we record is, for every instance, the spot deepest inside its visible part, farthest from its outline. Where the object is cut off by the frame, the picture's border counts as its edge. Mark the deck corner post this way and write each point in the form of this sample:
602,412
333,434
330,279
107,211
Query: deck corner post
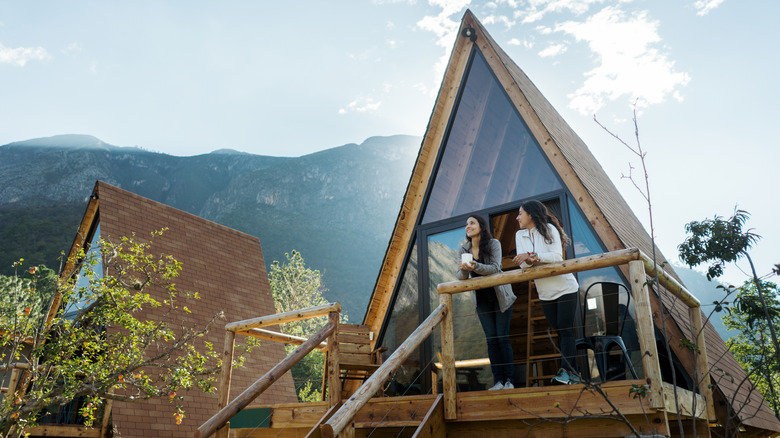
448,360
646,332
334,383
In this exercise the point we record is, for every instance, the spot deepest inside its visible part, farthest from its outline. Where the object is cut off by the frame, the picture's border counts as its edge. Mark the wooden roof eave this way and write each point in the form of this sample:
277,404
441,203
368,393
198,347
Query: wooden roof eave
70,268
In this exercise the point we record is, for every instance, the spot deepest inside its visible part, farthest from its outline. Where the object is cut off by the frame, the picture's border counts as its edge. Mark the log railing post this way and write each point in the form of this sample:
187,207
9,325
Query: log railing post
242,400
702,368
332,366
223,390
646,332
449,386
340,420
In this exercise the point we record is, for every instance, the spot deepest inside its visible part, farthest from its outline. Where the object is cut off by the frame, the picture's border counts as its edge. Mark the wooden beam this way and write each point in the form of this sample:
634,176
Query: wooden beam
280,318
646,332
223,390
341,418
271,335
433,424
332,365
449,384
597,261
257,388
62,430
702,367
669,283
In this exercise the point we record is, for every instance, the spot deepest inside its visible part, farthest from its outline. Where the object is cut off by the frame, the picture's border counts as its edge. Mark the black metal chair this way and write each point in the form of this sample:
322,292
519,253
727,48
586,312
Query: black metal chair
609,331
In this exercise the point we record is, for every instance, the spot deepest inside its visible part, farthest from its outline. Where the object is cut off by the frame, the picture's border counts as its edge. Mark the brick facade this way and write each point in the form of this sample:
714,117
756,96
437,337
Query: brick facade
227,269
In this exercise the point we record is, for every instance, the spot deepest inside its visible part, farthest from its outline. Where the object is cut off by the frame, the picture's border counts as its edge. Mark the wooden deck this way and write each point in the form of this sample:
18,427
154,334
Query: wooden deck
571,411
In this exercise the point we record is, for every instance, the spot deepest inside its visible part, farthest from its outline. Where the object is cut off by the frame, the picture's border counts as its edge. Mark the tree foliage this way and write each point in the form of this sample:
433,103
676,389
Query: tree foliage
99,346
294,286
751,346
717,241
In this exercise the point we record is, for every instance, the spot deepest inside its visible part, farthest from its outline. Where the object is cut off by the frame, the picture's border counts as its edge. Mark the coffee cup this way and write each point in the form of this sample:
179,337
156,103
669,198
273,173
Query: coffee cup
466,258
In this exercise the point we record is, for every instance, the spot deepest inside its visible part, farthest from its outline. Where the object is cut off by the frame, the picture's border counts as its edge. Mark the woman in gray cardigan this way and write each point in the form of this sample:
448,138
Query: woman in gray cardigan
494,305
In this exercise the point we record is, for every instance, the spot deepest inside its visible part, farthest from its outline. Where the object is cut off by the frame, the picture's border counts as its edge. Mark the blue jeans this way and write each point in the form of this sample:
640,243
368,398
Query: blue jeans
561,313
496,326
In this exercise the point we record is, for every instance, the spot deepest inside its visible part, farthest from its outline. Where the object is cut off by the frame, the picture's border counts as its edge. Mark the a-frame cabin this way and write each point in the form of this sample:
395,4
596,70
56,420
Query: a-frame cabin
493,141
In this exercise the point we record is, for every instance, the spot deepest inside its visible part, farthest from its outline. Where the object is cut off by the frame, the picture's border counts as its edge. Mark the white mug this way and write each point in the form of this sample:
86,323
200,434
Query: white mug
466,258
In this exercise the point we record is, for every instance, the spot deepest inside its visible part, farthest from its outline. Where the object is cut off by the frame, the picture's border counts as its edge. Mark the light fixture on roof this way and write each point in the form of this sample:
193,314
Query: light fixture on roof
469,33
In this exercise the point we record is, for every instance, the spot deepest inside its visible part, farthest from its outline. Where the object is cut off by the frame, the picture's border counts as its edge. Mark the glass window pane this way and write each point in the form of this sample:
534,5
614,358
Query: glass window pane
74,307
404,319
469,337
490,157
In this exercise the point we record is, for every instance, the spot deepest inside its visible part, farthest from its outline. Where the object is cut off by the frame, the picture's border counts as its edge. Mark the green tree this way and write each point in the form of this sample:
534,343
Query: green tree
97,347
294,286
751,347
719,241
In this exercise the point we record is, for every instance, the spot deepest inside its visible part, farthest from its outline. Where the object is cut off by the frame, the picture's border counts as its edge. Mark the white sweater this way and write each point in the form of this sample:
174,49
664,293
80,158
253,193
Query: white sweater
532,241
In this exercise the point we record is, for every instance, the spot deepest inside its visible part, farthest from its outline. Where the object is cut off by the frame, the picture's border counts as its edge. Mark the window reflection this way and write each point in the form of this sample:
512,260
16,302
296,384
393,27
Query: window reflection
490,157
404,319
469,339
93,250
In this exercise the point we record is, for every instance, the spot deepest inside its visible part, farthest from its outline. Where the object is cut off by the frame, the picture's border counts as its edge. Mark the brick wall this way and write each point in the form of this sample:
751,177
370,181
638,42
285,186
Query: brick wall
226,268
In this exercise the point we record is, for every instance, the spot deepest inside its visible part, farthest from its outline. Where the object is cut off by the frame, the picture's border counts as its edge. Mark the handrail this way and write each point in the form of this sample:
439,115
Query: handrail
280,318
597,261
234,407
546,270
347,411
270,335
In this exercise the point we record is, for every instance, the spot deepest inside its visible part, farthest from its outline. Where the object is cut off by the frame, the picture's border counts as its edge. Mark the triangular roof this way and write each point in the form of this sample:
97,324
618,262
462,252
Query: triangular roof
610,216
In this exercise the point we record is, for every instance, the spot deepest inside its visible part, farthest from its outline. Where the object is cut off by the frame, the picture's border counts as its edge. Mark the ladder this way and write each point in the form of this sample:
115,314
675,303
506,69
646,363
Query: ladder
542,356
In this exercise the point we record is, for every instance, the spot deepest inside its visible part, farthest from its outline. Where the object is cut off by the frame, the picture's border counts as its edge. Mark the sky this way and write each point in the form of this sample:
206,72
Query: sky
289,78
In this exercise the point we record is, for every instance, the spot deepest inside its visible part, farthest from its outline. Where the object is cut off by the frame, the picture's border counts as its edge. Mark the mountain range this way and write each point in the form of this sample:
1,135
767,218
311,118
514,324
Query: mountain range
336,207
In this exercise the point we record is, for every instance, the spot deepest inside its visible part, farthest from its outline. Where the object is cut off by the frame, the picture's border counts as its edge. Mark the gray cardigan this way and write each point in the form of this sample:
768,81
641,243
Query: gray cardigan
504,292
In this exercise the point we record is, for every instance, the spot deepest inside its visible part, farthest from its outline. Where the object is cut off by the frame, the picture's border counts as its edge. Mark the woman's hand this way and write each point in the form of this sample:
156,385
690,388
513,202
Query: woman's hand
530,258
466,266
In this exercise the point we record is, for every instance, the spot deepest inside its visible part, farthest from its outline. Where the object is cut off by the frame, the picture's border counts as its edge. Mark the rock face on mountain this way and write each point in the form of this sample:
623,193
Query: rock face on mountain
337,207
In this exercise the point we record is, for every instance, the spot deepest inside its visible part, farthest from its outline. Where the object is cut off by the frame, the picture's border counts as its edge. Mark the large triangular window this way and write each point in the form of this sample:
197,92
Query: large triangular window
490,157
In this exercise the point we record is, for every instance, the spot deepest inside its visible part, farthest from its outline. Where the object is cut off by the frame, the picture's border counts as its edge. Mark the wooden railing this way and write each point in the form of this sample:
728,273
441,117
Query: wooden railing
347,411
339,416
251,327
638,266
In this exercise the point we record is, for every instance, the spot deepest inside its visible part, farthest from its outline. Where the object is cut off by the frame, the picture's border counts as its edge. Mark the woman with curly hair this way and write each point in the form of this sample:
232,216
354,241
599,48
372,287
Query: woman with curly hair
541,239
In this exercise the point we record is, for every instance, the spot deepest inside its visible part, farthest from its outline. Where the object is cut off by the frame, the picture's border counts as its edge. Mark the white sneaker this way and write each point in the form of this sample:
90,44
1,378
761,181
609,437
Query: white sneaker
497,386
509,385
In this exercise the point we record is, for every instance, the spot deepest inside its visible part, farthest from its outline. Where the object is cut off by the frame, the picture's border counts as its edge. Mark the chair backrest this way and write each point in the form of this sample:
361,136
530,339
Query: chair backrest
613,312
355,346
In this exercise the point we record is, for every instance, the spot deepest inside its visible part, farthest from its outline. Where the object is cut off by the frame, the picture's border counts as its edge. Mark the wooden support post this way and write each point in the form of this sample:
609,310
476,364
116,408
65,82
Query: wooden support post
702,368
339,421
449,386
257,388
332,365
223,390
646,332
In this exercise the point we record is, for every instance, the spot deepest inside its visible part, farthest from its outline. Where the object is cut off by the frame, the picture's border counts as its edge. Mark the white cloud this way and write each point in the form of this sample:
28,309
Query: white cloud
553,50
491,19
20,55
537,9
444,28
71,48
703,7
629,67
361,105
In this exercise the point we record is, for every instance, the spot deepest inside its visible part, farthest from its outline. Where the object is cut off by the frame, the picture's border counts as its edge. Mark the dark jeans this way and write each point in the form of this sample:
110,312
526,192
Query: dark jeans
561,313
496,326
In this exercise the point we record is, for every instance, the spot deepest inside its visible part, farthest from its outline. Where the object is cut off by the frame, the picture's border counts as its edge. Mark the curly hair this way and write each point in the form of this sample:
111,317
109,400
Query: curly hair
541,216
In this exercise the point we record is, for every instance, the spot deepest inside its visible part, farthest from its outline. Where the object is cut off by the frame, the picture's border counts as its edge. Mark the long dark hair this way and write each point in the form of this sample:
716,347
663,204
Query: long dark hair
484,237
542,216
